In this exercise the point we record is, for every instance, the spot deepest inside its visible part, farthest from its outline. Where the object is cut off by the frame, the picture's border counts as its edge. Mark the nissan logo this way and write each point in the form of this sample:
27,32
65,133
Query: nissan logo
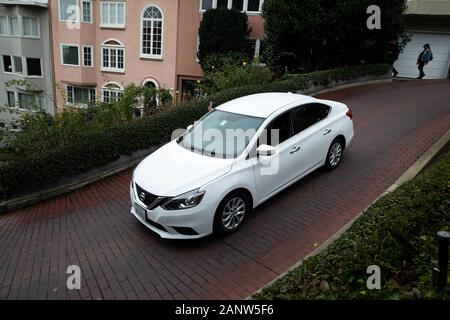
142,196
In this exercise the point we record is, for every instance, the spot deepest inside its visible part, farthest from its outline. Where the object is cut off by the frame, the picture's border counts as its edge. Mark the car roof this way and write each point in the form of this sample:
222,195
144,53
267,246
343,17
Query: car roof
263,104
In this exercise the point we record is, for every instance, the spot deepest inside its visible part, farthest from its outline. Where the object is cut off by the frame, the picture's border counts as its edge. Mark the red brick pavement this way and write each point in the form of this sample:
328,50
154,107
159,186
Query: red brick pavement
120,259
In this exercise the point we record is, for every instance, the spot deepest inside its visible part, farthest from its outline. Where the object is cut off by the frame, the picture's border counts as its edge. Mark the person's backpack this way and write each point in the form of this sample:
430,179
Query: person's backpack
427,56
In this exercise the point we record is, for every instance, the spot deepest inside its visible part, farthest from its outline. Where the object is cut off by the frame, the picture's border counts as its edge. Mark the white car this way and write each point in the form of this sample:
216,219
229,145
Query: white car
208,179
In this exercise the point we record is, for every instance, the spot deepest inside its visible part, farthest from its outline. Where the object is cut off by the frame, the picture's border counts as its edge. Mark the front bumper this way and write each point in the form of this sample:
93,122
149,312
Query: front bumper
190,223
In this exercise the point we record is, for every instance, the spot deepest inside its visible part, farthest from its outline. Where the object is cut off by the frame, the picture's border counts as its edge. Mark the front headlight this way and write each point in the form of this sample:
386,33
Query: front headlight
185,201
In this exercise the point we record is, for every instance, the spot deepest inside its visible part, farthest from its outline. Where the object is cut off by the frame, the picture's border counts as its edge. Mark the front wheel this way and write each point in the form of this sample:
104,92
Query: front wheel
335,153
231,213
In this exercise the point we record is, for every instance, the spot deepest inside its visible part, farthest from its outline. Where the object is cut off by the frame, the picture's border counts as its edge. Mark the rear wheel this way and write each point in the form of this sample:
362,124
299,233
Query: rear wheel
335,153
231,213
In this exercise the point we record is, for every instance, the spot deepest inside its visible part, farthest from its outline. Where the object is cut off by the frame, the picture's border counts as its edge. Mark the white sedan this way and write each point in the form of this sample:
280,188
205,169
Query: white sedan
235,158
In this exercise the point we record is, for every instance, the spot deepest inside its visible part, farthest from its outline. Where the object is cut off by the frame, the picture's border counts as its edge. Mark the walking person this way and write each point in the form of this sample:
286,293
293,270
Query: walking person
424,58
394,52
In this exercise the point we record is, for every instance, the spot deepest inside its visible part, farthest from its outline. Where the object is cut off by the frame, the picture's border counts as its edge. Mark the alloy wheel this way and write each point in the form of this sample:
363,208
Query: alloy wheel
335,154
233,213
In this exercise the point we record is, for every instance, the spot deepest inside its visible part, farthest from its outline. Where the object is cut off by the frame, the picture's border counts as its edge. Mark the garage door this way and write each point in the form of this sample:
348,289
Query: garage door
436,69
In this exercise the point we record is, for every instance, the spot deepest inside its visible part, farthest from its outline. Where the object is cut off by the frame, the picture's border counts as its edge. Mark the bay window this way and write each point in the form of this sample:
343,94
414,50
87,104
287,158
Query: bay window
82,96
14,26
70,55
30,26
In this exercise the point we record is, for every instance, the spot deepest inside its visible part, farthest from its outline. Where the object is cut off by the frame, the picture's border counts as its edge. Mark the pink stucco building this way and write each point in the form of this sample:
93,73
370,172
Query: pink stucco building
101,46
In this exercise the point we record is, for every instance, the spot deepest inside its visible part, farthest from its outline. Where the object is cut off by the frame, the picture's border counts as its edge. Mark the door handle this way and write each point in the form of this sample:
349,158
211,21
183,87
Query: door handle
326,132
295,149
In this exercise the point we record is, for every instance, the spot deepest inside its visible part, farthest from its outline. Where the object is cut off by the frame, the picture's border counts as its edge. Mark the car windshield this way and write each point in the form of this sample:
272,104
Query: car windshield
221,134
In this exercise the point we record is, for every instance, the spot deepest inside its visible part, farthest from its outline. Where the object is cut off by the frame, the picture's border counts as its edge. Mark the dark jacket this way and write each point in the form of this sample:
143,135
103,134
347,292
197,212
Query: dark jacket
425,56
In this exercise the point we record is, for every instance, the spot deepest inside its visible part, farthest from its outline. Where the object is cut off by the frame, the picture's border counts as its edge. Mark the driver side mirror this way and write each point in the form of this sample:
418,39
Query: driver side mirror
265,150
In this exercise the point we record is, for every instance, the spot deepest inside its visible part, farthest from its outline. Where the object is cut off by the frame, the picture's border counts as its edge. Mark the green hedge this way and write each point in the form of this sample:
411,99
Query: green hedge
397,233
105,147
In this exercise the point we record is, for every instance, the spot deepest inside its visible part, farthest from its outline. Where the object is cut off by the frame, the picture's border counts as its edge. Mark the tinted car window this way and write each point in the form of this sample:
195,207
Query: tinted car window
305,116
278,131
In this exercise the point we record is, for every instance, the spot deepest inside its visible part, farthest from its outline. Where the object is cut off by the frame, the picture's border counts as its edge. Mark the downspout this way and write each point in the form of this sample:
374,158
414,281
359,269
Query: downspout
52,53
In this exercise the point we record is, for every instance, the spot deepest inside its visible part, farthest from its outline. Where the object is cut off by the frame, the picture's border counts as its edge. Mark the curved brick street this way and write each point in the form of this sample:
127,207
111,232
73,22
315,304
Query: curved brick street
395,124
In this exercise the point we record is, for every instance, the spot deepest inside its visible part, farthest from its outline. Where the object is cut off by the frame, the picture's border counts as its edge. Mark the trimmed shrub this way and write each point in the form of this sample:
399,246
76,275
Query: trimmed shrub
105,146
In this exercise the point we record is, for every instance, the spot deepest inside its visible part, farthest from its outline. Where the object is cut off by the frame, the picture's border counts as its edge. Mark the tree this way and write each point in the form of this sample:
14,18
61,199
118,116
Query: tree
323,34
223,32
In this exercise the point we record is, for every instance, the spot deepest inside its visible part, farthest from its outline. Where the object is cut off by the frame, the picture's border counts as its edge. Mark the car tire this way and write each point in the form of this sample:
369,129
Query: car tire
231,213
334,155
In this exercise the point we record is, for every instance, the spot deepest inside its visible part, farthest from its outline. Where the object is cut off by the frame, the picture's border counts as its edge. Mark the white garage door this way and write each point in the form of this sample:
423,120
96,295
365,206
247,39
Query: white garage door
436,69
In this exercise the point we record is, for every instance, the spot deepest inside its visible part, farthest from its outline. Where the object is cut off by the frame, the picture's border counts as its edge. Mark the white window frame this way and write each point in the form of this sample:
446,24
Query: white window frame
13,66
141,47
92,55
8,90
77,18
114,26
90,9
230,5
105,88
25,67
155,82
24,73
62,45
120,46
38,27
261,2
79,104
19,26
16,98
197,49
6,26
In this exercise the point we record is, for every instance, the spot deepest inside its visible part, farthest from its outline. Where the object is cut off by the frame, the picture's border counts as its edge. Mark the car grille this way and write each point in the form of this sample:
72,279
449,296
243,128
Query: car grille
146,197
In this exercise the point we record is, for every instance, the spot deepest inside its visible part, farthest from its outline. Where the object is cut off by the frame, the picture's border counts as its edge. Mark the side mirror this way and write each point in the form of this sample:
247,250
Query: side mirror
265,150
189,127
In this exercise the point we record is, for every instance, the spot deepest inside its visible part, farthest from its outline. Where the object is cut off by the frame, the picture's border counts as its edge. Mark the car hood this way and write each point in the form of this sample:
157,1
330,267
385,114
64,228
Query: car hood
173,170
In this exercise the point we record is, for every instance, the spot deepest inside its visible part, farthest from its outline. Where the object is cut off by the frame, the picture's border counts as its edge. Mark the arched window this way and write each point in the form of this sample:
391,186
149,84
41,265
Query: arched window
113,56
152,32
112,92
151,101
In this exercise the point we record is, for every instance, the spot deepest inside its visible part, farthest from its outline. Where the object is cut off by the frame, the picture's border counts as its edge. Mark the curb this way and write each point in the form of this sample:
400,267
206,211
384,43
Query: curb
353,85
408,175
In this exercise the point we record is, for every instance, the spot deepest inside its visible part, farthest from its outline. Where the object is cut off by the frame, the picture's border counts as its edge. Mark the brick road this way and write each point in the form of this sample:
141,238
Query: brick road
120,259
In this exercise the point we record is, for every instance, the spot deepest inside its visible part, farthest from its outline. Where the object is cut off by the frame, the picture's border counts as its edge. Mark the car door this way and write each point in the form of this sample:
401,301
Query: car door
273,172
313,131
